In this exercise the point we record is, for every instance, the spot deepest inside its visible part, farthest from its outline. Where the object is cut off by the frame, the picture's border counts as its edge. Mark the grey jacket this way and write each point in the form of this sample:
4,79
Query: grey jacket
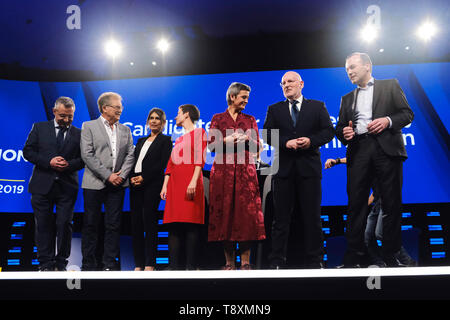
97,154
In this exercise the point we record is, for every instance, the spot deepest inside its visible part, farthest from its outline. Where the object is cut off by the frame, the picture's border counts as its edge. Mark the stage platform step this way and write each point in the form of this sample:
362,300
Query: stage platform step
255,285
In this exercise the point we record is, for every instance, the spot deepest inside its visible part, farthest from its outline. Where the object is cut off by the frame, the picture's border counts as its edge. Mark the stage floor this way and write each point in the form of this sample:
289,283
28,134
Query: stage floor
254,285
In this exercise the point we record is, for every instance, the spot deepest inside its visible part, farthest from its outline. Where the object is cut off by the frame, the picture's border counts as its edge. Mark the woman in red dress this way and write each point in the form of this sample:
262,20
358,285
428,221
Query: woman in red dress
184,211
235,213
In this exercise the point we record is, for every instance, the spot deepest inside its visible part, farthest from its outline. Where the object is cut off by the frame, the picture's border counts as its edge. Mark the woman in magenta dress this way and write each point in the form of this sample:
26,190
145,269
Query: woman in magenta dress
184,211
235,213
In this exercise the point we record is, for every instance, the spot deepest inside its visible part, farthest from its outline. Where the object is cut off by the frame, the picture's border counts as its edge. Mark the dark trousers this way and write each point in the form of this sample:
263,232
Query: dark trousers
112,199
54,231
184,245
144,204
307,192
366,160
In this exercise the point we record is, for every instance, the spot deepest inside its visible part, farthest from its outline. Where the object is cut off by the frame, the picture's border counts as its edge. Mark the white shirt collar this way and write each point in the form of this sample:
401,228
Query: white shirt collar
371,81
106,122
299,100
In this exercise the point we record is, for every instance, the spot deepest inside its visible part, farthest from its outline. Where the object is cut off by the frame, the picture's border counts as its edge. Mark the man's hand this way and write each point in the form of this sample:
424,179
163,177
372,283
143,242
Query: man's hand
330,163
304,142
348,131
115,179
59,163
299,143
292,144
378,125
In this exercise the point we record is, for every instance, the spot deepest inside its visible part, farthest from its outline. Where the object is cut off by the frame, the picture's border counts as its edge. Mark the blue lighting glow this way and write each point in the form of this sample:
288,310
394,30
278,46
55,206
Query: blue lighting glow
436,241
162,260
163,234
13,262
19,224
438,255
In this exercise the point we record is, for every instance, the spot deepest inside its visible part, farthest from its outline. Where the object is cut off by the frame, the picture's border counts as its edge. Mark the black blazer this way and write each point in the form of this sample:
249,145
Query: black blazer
155,160
388,100
40,148
313,122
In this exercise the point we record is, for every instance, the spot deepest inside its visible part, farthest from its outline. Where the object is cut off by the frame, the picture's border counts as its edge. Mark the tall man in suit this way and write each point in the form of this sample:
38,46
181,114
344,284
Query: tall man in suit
54,149
108,152
304,125
370,121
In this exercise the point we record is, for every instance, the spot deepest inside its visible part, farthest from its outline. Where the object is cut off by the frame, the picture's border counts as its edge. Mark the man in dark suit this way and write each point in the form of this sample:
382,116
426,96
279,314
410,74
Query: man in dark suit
108,151
370,121
304,125
54,149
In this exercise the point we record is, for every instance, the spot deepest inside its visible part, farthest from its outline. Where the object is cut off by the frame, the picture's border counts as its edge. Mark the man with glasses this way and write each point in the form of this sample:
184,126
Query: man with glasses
54,149
108,152
304,125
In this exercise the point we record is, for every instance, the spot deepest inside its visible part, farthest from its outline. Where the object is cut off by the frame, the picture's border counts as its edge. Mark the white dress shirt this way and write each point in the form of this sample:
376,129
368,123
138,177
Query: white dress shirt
112,134
364,108
298,106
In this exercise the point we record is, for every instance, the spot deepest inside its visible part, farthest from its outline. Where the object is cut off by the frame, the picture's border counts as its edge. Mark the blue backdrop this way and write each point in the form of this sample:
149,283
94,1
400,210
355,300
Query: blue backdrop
426,172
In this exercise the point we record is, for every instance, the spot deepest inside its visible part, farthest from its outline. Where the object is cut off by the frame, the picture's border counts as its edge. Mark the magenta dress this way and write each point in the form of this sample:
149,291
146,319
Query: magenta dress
235,212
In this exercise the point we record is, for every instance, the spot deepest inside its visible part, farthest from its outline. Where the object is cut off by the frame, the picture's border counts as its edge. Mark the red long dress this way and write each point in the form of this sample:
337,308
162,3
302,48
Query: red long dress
189,151
235,212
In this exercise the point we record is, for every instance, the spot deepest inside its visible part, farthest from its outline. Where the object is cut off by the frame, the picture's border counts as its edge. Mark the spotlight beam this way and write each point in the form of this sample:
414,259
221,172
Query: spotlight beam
426,31
369,33
163,45
112,48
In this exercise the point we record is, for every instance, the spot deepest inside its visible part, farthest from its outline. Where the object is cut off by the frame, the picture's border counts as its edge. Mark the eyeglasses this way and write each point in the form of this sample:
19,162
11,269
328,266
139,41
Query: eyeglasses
287,83
115,107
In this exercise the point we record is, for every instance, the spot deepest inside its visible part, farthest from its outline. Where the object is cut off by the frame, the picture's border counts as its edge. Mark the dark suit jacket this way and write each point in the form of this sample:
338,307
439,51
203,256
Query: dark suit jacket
313,122
155,160
388,100
40,148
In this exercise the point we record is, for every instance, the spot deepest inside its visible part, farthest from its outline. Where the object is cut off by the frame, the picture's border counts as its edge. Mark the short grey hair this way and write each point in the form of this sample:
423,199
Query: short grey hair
363,56
66,102
234,89
105,99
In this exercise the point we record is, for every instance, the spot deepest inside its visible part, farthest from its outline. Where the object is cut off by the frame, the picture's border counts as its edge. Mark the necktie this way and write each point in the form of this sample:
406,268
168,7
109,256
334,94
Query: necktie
294,112
60,138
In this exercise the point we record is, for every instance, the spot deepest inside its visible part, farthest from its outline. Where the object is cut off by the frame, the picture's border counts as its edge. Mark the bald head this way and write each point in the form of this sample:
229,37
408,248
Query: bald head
292,85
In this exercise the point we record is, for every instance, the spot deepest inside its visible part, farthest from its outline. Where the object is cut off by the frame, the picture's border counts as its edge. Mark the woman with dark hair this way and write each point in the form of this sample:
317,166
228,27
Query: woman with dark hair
235,214
151,156
184,211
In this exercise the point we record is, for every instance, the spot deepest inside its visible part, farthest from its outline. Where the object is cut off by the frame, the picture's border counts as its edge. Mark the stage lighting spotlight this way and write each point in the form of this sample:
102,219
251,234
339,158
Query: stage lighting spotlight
113,48
381,50
163,45
154,63
426,31
131,63
369,33
407,48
